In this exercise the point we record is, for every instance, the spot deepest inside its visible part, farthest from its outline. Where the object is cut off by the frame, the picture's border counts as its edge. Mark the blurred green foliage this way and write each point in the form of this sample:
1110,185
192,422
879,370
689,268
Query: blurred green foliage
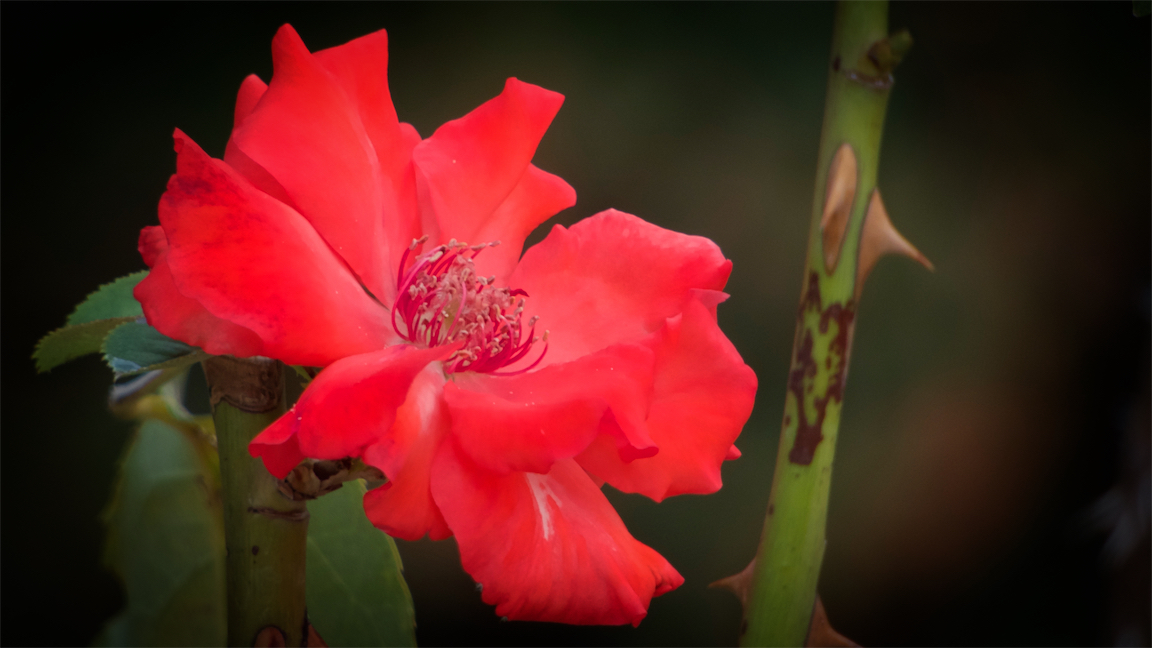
166,543
356,592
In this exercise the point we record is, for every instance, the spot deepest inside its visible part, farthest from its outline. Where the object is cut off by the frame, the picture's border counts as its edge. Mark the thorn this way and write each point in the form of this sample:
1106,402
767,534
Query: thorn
270,637
838,200
738,584
879,238
821,632
314,639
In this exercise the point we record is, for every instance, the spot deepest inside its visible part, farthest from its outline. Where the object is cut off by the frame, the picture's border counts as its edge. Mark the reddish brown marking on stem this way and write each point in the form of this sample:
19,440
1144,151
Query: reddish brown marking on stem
808,434
811,298
838,348
804,368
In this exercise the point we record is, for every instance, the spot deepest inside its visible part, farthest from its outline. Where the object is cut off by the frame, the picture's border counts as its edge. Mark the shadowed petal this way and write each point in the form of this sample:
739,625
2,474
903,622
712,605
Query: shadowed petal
403,507
527,422
702,396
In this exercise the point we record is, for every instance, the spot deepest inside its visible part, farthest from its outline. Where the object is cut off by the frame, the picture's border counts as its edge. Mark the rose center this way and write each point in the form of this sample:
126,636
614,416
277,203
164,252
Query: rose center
441,300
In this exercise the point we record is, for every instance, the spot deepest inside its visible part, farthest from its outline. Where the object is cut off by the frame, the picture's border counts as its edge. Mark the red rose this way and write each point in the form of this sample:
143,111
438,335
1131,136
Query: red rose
495,392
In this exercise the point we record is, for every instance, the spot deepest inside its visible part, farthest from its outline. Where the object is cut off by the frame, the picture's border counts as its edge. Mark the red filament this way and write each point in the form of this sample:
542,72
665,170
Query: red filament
441,300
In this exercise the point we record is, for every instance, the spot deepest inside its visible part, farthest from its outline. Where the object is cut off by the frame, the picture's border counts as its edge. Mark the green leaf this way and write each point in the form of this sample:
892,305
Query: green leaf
110,301
166,543
112,305
356,590
71,342
136,347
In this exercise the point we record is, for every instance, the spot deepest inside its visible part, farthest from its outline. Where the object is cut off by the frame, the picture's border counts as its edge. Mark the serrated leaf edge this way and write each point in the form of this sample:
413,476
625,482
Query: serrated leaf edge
101,287
41,367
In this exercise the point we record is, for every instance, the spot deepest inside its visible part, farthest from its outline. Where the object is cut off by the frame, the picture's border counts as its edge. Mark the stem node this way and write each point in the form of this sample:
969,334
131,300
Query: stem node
265,532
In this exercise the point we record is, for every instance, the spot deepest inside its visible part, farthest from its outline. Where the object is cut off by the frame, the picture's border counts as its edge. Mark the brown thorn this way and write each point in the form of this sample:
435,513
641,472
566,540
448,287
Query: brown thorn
314,639
270,637
838,200
879,238
821,633
738,584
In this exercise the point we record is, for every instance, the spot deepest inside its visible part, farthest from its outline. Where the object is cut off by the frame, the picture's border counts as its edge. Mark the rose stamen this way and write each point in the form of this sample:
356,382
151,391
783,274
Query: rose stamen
441,300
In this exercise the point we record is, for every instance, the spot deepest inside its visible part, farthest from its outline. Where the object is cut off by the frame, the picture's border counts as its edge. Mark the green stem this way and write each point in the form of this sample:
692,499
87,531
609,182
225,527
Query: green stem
784,576
265,531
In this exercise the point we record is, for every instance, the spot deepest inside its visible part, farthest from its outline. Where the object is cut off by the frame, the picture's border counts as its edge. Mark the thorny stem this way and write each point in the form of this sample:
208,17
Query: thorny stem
265,532
782,592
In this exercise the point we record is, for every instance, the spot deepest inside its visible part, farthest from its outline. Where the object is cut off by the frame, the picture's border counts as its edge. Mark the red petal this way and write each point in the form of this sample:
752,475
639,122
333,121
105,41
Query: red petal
471,165
251,260
702,397
183,318
350,404
403,507
529,421
152,244
361,68
710,299
279,446
613,278
547,547
538,197
251,90
307,134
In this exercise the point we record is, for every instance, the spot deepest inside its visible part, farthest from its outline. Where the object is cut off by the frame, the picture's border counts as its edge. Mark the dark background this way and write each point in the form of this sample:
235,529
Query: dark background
990,406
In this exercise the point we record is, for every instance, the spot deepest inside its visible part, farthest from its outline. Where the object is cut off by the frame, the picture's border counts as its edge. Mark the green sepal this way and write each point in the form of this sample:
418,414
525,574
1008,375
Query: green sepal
136,347
166,542
302,373
356,590
110,301
71,342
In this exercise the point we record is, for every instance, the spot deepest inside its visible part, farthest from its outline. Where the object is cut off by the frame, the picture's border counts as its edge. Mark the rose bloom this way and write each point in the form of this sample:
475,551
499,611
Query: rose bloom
497,392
